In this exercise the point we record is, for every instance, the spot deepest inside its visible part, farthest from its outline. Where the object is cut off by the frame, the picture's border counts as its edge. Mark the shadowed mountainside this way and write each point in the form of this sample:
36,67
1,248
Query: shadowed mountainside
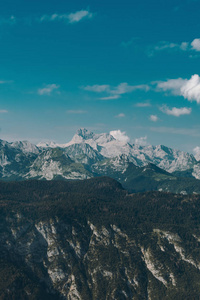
91,239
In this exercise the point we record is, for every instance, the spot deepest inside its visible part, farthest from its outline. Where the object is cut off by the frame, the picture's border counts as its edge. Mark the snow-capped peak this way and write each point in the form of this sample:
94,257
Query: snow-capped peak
94,140
48,144
25,147
110,146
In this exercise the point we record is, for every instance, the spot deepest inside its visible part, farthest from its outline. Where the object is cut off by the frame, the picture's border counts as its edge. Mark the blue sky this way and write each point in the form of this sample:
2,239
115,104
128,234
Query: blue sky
104,65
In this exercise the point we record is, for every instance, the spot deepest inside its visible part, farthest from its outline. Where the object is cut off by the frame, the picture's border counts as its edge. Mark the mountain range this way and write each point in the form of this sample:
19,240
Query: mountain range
87,155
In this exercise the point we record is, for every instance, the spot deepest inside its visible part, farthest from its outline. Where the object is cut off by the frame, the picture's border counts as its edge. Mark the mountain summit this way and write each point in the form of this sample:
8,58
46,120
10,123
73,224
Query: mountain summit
84,133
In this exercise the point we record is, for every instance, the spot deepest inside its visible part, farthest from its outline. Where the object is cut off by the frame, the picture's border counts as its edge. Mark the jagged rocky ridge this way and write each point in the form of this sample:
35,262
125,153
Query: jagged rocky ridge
138,168
92,240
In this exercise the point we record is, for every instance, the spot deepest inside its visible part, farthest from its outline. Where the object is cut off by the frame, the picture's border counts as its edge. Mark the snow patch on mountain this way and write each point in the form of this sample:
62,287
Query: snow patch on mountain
83,153
196,171
196,151
47,171
49,144
25,147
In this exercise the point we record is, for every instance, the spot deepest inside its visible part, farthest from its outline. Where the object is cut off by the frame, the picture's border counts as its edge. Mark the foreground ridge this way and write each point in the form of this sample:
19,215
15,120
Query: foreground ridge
90,239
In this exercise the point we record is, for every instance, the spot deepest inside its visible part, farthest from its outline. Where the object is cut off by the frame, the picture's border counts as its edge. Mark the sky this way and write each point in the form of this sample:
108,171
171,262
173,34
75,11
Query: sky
109,66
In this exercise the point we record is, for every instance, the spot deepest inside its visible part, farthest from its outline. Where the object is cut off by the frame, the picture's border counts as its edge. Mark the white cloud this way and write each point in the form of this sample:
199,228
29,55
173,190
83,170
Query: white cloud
195,132
196,151
153,118
143,104
110,97
97,88
48,89
176,112
76,112
121,115
70,18
168,46
173,85
124,88
165,45
120,89
142,141
196,44
79,15
189,89
184,46
120,136
115,92
3,111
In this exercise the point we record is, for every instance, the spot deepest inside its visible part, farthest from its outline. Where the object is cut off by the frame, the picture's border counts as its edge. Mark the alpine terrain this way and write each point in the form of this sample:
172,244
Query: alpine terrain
87,155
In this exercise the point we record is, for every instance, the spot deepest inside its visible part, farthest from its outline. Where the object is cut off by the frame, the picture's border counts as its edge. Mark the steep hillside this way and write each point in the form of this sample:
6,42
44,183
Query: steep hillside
92,240
147,178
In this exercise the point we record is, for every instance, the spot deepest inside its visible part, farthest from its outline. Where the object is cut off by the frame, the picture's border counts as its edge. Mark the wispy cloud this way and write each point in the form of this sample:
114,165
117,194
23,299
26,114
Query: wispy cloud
142,141
69,18
124,88
176,112
48,89
129,43
143,104
153,118
172,85
5,81
188,88
97,88
53,17
110,97
121,115
115,92
3,111
9,21
170,46
80,15
195,132
77,112
163,45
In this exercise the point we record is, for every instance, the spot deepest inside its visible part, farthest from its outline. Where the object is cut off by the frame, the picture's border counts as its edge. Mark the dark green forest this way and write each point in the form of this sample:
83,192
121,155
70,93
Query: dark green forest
144,218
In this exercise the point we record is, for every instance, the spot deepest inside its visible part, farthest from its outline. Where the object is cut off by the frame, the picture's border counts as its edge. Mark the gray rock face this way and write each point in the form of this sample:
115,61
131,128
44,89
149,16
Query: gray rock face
90,262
